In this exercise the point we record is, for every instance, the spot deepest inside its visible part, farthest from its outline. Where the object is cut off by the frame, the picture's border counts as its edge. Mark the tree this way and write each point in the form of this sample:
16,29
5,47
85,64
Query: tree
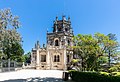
14,52
85,47
91,48
112,50
27,57
9,36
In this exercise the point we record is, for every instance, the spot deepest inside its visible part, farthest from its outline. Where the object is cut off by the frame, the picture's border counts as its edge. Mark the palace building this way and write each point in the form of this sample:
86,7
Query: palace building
57,53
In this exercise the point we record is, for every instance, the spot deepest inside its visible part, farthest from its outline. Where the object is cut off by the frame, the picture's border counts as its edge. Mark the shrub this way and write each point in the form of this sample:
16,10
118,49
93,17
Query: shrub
116,73
112,69
92,77
74,61
105,73
115,68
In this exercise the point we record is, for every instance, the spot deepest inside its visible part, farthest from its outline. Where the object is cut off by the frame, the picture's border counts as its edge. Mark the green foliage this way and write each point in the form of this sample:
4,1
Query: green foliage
112,69
14,52
104,73
92,50
10,39
75,61
115,68
116,73
86,49
93,77
8,20
112,49
0,54
102,59
27,57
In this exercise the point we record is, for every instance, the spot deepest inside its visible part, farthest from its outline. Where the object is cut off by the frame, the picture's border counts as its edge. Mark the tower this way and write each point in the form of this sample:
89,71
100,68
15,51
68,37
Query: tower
59,42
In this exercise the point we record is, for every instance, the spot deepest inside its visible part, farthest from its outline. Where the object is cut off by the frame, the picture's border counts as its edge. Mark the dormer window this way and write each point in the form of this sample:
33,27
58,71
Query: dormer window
56,43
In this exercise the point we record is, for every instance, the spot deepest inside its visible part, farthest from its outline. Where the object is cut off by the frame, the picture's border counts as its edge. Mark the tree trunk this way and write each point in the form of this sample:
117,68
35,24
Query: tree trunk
109,58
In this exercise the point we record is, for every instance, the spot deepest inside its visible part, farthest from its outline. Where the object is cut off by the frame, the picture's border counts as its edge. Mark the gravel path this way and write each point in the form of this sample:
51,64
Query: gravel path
32,76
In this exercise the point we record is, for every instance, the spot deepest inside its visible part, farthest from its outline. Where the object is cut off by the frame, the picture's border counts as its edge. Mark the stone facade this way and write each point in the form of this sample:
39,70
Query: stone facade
57,53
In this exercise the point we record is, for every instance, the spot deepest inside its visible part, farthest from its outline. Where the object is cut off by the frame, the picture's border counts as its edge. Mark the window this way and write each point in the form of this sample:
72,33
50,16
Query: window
68,60
68,42
56,58
56,43
66,29
43,58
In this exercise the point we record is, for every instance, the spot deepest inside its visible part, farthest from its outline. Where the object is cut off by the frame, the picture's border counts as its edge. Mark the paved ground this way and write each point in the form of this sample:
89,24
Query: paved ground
32,76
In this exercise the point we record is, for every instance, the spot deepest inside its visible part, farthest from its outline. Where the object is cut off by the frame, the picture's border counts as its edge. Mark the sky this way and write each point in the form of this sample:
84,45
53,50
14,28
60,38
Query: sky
87,17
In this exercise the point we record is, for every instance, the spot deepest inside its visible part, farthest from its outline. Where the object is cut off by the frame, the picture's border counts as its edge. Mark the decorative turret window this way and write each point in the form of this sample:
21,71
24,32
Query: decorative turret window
56,43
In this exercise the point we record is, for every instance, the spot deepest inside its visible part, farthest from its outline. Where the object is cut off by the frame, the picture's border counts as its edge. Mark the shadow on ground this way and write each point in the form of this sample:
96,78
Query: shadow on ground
37,79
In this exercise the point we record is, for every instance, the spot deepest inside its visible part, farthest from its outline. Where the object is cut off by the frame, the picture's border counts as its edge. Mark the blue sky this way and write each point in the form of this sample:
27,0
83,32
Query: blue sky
87,17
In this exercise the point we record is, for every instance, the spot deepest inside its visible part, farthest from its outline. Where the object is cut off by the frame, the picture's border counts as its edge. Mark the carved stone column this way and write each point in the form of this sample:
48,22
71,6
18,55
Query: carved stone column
48,60
38,60
65,60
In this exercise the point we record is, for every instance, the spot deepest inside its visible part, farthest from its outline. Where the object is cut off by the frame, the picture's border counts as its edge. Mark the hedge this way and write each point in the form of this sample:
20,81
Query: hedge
92,77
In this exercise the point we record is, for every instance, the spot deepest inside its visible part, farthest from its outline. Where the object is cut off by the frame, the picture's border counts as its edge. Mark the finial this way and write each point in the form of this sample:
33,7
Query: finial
63,17
37,42
38,45
43,45
35,46
56,18
68,18
47,30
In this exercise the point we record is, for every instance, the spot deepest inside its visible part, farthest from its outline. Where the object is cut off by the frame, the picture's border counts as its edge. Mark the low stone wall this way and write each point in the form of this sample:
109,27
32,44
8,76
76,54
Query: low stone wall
7,69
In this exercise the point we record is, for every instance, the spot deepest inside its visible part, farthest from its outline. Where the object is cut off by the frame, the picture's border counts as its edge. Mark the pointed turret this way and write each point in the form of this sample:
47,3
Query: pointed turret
37,45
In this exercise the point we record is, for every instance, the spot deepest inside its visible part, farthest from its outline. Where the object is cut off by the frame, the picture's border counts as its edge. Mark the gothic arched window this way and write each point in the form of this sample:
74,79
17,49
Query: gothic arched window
56,58
56,43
